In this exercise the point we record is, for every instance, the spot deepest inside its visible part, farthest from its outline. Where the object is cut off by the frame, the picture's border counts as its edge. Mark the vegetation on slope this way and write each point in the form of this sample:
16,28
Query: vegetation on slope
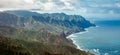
39,34
19,47
10,47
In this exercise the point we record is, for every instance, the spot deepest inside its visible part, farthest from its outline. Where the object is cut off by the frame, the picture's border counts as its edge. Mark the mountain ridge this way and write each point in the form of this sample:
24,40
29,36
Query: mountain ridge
61,21
48,30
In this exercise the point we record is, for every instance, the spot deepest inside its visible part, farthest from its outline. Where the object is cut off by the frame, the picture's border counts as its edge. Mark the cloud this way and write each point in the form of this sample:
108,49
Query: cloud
83,10
44,5
111,12
16,4
53,5
85,7
118,5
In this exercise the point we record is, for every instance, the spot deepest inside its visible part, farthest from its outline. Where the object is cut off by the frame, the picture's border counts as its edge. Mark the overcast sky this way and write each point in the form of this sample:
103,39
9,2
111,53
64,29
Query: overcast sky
88,8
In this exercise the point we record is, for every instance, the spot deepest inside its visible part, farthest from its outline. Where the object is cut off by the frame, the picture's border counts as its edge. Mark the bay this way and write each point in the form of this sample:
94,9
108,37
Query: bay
101,40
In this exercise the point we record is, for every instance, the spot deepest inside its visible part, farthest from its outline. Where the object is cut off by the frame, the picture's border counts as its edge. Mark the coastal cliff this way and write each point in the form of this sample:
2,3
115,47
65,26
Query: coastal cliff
43,34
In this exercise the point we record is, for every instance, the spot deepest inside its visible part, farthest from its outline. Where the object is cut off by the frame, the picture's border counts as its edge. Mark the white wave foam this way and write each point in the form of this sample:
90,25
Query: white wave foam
97,52
106,54
72,37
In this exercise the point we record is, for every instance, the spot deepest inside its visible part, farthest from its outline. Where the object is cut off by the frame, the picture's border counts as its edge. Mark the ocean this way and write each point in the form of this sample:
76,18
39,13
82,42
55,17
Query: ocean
104,39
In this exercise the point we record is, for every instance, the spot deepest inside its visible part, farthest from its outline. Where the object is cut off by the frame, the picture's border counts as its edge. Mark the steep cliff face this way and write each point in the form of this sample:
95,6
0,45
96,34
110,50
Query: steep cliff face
47,28
7,19
43,34
54,22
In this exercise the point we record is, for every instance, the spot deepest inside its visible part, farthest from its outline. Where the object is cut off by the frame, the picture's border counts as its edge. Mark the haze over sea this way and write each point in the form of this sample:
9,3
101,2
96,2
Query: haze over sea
101,40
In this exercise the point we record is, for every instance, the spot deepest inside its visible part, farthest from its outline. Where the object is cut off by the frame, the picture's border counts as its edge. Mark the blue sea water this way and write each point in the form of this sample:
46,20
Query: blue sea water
101,40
